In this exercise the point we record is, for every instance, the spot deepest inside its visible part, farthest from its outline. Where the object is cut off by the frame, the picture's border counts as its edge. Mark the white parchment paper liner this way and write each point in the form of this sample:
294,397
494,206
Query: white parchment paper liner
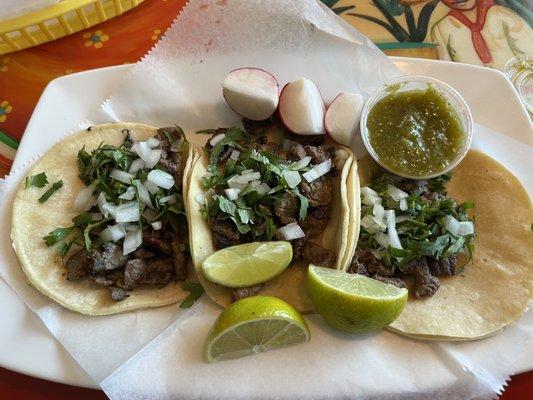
179,82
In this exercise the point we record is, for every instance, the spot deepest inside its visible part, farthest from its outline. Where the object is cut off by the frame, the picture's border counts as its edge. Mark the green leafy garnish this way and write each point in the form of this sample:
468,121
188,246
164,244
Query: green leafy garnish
421,226
55,187
57,235
82,219
39,180
195,291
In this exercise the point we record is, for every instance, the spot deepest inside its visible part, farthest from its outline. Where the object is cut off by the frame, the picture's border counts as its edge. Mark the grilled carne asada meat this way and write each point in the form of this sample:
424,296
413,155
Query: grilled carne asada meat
241,293
313,253
172,161
316,221
286,208
225,233
444,266
78,266
108,258
391,281
319,192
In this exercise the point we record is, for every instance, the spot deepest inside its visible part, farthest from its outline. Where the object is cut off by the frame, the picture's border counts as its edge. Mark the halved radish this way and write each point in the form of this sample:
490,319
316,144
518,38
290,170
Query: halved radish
342,117
251,92
301,108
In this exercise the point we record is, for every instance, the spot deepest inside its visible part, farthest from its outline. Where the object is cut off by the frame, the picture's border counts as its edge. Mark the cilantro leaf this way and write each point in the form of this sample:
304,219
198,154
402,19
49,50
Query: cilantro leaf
195,291
55,187
39,180
82,219
57,235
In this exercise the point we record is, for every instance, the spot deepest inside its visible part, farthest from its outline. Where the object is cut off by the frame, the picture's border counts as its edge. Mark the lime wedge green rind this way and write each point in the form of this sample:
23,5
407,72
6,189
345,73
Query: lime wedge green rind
252,325
354,303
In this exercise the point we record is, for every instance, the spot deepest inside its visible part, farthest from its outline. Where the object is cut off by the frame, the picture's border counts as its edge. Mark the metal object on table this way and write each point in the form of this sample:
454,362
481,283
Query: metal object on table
59,20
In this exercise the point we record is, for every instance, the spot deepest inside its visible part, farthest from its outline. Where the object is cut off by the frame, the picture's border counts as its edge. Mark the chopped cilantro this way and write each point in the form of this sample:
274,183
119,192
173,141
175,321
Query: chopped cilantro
55,187
57,235
39,180
195,291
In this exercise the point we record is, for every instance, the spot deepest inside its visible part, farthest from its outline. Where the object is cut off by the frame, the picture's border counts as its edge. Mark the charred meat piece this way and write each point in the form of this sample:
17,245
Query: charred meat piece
256,127
391,281
316,221
117,293
107,258
143,254
224,154
225,233
318,154
153,241
180,260
425,284
444,266
357,267
79,265
373,265
241,293
172,161
319,192
160,271
313,253
286,208
134,273
264,145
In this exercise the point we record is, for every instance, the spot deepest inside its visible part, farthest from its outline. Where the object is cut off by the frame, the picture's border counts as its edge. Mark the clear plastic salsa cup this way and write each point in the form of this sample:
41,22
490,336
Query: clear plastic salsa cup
409,83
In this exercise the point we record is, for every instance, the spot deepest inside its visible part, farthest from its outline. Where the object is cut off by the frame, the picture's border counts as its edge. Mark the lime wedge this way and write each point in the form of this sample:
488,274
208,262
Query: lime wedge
247,264
252,325
354,303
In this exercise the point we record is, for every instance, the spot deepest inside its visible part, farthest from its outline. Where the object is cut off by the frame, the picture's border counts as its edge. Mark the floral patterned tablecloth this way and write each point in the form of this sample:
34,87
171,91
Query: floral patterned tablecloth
482,32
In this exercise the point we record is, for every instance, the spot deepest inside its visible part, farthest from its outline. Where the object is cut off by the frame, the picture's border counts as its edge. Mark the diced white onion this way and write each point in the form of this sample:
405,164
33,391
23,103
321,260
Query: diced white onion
451,225
379,211
135,166
152,187
127,212
262,189
291,231
232,193
161,178
292,178
240,181
318,170
157,225
149,214
403,204
107,209
133,147
144,195
247,171
85,199
152,143
298,165
172,199
113,233
382,239
369,224
396,193
200,198
235,155
300,151
216,139
365,190
132,240
392,233
121,176
254,184
129,194
176,145
149,156
466,228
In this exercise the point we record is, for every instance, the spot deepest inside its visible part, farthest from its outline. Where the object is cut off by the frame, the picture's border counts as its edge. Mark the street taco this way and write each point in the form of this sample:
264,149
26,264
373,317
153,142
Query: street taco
262,184
110,234
456,293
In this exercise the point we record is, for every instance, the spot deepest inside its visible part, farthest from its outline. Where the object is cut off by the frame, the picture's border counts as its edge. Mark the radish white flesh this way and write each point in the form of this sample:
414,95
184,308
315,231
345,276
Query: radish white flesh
301,108
251,92
342,117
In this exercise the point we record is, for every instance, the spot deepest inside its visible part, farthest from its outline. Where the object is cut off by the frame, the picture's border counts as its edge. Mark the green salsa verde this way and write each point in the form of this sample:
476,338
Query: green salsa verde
415,132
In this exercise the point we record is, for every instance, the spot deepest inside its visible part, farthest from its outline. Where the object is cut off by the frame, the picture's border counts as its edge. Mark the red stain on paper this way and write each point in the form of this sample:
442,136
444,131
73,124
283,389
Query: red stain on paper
222,2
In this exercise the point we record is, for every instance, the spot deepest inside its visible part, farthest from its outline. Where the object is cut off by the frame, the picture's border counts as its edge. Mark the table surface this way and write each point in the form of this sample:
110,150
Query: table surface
24,75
